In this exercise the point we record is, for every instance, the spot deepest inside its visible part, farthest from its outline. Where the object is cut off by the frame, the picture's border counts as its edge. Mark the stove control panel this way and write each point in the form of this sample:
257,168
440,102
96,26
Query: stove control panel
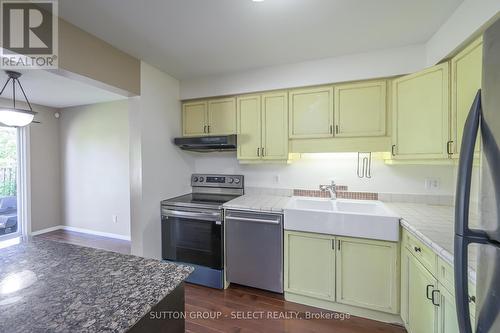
204,180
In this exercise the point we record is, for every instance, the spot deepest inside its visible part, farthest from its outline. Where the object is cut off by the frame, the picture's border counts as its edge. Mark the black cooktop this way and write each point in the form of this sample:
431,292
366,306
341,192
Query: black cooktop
200,199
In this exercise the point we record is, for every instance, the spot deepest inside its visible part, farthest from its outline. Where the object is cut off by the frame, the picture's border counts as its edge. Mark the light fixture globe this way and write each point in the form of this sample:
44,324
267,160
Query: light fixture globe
13,116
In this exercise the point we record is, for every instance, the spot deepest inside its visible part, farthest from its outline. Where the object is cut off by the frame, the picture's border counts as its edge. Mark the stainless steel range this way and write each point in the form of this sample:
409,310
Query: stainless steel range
192,226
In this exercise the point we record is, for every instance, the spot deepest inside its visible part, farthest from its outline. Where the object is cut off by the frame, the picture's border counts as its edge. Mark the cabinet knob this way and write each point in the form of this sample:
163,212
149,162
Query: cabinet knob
417,249
472,299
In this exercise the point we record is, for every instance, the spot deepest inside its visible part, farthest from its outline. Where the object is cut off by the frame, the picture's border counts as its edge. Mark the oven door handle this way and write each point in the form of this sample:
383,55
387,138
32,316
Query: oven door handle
208,216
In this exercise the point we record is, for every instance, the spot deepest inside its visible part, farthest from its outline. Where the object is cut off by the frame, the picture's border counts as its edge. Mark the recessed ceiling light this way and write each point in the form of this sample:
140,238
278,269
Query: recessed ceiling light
258,0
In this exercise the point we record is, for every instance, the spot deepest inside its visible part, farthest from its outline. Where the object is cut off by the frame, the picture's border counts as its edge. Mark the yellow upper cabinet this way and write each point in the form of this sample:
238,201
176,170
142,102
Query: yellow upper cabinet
212,117
275,126
194,118
360,109
421,114
263,127
249,127
222,116
466,72
311,113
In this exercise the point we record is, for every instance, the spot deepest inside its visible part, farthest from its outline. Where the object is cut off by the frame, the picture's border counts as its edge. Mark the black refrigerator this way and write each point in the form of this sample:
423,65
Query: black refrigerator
484,118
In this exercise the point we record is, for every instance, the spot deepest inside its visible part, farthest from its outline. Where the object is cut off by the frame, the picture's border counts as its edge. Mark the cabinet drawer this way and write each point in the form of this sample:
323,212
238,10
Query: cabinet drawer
422,252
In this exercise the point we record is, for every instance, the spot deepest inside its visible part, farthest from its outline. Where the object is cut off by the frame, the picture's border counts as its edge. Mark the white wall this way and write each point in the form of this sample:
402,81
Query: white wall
158,169
315,169
467,21
44,167
95,167
345,68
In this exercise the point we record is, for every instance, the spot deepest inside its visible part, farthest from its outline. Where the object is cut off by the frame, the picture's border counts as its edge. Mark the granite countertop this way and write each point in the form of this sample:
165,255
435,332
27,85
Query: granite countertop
259,202
434,226
48,286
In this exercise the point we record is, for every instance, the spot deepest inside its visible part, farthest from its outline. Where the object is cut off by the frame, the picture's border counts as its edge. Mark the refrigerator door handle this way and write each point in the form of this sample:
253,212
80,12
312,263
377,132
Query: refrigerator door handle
462,284
463,234
462,197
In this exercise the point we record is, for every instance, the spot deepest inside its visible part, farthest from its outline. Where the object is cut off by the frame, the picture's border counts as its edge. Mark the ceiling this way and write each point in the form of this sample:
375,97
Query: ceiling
195,38
49,89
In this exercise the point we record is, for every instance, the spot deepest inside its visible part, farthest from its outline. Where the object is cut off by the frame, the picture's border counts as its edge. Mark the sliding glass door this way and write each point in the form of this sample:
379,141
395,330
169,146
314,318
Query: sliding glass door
10,223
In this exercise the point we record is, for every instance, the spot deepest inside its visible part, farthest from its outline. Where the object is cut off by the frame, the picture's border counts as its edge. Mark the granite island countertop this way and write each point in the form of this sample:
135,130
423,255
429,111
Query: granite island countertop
48,286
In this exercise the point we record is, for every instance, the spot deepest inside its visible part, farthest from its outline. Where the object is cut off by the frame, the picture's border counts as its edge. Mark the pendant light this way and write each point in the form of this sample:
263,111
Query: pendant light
15,117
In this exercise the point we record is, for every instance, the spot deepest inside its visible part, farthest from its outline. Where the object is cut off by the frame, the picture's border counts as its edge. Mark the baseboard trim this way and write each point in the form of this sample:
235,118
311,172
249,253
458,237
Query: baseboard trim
82,230
44,231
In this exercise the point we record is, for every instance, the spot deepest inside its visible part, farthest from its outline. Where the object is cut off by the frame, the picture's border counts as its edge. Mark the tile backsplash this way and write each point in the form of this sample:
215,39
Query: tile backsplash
344,193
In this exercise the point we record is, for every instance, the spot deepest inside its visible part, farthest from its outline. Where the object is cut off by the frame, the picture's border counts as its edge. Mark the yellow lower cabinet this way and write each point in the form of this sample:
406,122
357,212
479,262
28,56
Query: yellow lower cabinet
422,313
447,322
361,277
367,274
310,265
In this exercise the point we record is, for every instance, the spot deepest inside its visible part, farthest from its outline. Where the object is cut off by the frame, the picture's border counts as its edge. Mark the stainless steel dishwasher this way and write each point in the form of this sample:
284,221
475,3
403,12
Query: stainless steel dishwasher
254,249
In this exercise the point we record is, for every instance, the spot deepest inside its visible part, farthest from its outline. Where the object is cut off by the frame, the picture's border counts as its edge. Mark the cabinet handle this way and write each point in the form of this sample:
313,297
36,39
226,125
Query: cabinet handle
205,129
434,292
333,244
336,129
208,128
339,244
258,152
331,129
427,291
393,150
417,249
262,151
448,147
472,299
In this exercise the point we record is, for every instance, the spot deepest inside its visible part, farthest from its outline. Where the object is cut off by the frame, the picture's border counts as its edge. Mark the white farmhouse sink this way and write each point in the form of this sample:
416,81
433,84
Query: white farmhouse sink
352,218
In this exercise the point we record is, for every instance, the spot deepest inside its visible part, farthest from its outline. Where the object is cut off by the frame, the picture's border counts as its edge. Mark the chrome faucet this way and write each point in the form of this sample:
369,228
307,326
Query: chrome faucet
331,188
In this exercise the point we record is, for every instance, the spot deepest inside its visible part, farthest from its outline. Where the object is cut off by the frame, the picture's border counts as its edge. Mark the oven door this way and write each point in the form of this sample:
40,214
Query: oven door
193,236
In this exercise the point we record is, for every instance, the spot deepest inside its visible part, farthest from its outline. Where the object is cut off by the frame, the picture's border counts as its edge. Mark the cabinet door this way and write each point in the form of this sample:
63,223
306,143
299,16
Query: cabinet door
448,322
422,314
360,109
249,127
194,118
367,274
405,296
311,113
222,116
421,114
310,265
466,74
275,126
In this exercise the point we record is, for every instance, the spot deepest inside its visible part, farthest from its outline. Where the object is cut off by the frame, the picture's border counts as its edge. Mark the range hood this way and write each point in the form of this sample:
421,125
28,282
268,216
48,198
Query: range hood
207,143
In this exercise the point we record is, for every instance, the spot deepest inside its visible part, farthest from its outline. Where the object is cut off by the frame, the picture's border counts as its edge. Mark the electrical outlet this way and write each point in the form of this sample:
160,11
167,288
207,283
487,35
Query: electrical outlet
432,184
115,218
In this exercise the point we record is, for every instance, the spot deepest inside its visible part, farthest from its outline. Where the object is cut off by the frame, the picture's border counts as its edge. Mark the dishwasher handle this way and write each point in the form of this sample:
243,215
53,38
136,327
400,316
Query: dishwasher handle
254,220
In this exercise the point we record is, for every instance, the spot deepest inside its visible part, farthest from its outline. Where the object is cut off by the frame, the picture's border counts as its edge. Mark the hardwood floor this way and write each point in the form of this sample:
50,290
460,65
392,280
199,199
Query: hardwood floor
234,309
78,238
